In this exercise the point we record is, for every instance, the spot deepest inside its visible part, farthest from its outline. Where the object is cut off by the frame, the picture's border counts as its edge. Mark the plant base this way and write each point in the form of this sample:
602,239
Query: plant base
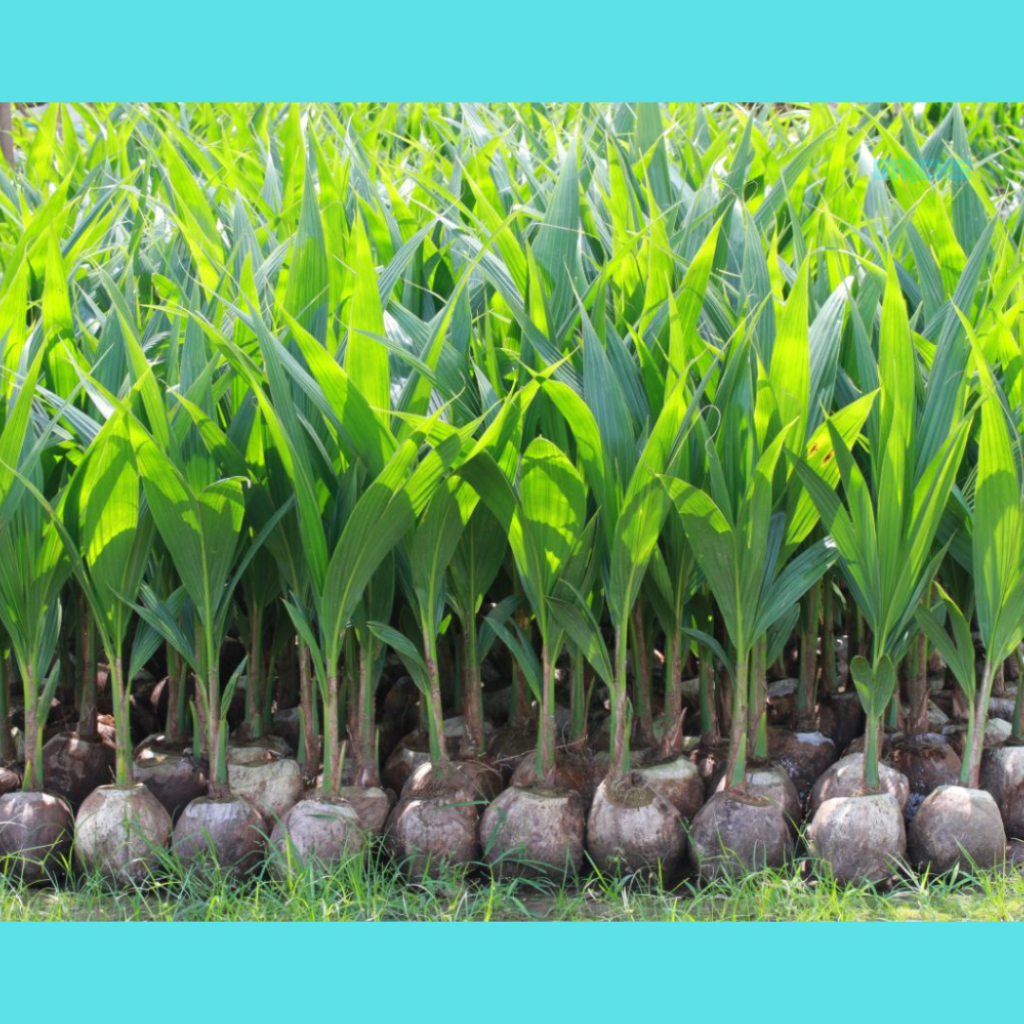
120,832
632,827
321,832
36,831
863,838
957,827
734,833
534,831
227,833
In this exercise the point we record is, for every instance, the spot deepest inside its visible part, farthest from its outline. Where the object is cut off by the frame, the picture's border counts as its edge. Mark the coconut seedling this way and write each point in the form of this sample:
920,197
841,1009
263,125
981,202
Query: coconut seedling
628,422
737,540
748,520
78,762
346,409
884,537
435,822
539,828
36,827
671,581
997,555
428,549
670,585
383,514
382,468
107,531
433,550
199,516
257,763
170,762
623,472
958,825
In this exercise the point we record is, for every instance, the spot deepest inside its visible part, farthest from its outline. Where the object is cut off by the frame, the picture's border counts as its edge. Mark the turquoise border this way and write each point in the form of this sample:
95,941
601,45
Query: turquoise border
468,49
564,973
398,50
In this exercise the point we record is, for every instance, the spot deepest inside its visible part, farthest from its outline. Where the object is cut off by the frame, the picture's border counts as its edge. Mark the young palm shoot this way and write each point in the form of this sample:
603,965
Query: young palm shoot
430,549
633,506
436,820
108,533
997,549
738,552
884,538
472,571
671,580
623,474
737,545
545,512
268,501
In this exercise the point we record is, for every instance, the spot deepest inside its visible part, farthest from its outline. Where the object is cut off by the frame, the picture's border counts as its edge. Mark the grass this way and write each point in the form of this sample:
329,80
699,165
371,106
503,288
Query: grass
374,890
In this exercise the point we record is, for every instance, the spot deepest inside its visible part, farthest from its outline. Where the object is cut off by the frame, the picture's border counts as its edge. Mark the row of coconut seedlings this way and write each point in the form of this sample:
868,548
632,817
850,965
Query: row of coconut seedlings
547,516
